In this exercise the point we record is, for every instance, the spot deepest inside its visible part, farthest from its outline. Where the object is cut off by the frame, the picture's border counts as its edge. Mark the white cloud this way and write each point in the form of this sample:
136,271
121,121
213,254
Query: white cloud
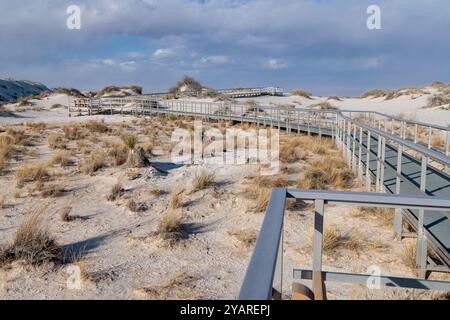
163,53
216,59
274,64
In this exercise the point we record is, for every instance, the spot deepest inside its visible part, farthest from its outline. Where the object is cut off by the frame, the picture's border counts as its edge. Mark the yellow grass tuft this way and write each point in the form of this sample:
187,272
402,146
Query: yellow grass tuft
409,256
246,238
170,227
56,141
203,179
33,243
30,173
176,199
61,158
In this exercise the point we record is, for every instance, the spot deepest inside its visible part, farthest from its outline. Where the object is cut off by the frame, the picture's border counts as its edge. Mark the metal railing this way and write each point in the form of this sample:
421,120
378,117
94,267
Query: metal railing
264,276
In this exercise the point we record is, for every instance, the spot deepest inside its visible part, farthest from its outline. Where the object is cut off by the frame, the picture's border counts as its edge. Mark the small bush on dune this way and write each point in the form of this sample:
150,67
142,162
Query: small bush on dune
302,93
33,244
262,201
61,158
53,191
117,191
93,162
31,173
171,226
327,173
203,179
96,126
409,256
176,199
129,140
57,141
375,93
134,206
246,238
119,153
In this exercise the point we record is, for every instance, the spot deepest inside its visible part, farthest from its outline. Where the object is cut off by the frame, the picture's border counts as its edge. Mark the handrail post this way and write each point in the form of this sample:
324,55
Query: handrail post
318,283
368,180
398,218
360,165
378,157
421,258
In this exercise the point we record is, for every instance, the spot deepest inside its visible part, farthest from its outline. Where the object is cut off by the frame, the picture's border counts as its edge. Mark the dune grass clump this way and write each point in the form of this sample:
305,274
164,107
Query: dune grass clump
129,140
33,244
385,216
96,126
52,191
203,180
117,190
93,162
56,141
302,93
409,254
262,200
62,158
176,199
327,173
334,239
171,226
31,173
375,93
136,207
245,238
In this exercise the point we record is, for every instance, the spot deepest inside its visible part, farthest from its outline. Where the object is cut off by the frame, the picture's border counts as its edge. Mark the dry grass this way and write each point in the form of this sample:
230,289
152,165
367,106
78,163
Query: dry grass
334,239
327,173
134,206
171,226
245,238
262,200
117,191
52,191
93,162
375,93
129,140
33,244
119,153
61,158
176,199
30,173
203,179
384,216
181,287
96,126
302,93
437,141
2,202
56,141
157,192
66,216
409,255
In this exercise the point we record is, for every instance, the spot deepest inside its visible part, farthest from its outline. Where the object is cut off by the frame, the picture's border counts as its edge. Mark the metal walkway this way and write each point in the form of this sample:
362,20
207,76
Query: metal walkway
410,158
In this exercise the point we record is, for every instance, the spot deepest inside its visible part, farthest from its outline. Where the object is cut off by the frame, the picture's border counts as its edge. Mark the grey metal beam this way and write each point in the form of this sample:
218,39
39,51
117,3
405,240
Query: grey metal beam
258,280
385,281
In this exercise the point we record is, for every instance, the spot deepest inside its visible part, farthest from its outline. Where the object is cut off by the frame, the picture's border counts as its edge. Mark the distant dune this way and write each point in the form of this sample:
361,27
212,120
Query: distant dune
12,90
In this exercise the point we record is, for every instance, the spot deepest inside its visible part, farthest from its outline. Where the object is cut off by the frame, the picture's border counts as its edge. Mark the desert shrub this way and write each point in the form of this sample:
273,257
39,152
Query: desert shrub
56,141
31,173
245,238
96,126
93,162
117,191
409,256
74,132
53,191
171,226
327,173
33,244
176,199
129,140
134,206
119,153
375,93
262,200
203,179
302,93
61,158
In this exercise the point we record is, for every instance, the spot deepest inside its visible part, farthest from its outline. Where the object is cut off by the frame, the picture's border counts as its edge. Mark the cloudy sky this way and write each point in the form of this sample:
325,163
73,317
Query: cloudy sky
320,45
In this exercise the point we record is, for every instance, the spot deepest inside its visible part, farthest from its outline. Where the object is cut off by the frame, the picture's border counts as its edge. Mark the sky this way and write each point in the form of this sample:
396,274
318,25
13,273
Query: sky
323,46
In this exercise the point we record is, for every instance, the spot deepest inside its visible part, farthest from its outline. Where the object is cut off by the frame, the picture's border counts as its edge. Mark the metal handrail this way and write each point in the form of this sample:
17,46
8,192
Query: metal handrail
267,259
438,156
